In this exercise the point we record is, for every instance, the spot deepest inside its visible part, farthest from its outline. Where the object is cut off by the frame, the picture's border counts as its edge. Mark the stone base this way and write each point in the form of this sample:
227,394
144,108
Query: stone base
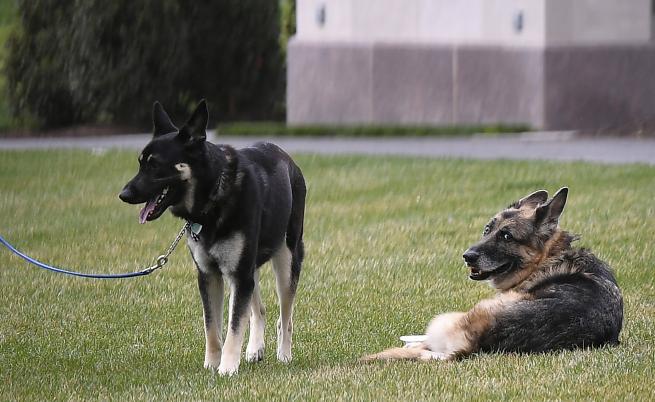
553,88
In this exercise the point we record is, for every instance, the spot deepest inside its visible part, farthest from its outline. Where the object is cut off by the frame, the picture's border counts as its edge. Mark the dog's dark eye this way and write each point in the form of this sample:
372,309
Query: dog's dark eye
506,235
150,163
486,231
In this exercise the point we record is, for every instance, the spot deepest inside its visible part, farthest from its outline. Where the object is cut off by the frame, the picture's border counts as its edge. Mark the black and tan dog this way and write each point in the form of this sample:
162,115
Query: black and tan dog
551,296
246,207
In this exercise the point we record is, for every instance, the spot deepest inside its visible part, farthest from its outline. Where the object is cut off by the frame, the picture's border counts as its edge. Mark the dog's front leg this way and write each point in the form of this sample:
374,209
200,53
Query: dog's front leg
241,289
211,292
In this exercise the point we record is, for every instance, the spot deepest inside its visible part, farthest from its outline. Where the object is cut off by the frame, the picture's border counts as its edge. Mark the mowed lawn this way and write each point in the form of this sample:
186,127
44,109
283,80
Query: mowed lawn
384,238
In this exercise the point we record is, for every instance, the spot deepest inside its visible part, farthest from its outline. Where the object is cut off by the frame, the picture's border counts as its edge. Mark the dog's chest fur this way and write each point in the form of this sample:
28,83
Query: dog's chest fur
225,253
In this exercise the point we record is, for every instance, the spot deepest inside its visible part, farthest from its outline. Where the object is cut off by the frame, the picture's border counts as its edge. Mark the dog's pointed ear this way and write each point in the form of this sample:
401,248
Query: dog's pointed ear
549,213
161,122
533,200
195,130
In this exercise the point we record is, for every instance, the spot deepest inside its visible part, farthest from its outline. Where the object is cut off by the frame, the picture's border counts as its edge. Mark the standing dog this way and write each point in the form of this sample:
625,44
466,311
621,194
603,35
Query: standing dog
551,296
245,207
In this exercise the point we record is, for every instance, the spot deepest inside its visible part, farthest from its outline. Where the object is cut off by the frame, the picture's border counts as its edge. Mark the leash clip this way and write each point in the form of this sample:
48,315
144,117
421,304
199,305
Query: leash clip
161,261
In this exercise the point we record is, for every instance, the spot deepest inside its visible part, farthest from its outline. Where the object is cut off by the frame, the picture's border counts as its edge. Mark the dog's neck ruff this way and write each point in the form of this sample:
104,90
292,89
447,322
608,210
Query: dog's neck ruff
216,203
226,181
553,248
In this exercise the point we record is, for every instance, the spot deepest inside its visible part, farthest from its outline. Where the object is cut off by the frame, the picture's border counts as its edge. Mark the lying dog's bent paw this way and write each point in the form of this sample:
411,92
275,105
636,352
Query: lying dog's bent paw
427,355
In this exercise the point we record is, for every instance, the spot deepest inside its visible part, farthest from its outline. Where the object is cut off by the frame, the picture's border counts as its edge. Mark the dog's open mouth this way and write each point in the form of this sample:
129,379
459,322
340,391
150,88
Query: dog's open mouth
479,275
154,207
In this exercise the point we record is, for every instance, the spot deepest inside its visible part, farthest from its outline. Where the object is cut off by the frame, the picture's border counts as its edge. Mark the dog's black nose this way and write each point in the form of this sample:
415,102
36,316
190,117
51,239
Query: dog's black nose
127,195
471,256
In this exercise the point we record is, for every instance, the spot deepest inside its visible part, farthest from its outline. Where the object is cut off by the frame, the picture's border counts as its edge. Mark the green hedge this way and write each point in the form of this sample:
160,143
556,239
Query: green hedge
98,61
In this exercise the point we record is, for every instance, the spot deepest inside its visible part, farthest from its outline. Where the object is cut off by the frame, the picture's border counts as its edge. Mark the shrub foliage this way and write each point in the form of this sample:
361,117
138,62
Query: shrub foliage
97,61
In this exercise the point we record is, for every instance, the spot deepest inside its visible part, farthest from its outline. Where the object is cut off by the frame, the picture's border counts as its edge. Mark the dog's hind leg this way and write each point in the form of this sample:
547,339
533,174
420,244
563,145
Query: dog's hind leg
286,291
255,348
287,262
211,292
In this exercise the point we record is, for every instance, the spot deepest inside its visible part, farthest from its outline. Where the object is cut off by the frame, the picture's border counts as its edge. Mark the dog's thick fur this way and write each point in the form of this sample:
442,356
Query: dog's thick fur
551,296
250,204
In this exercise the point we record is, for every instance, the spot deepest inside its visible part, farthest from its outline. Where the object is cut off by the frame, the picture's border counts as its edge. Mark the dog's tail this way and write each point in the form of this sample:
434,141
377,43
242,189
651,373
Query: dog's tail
296,222
418,352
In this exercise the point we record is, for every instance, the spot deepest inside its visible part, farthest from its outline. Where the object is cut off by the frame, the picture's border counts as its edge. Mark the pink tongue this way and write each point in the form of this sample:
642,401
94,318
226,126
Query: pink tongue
148,208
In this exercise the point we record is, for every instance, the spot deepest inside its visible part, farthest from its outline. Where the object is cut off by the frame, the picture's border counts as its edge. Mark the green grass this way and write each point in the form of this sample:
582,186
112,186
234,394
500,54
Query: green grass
384,238
281,129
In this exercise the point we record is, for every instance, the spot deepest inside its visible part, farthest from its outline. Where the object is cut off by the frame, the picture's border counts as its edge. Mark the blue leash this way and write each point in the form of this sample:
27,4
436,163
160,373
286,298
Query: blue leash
159,261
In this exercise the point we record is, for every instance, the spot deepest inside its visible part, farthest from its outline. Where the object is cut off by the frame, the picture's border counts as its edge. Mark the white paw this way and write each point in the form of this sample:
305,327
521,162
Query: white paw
229,365
255,353
212,362
228,370
284,355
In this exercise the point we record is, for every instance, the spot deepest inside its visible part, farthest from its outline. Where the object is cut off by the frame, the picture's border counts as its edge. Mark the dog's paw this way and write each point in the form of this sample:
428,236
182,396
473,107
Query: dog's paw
212,362
427,355
254,354
228,370
284,354
229,364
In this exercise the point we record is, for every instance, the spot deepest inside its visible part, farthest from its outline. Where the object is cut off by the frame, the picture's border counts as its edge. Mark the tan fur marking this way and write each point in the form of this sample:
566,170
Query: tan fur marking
480,318
185,171
213,345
